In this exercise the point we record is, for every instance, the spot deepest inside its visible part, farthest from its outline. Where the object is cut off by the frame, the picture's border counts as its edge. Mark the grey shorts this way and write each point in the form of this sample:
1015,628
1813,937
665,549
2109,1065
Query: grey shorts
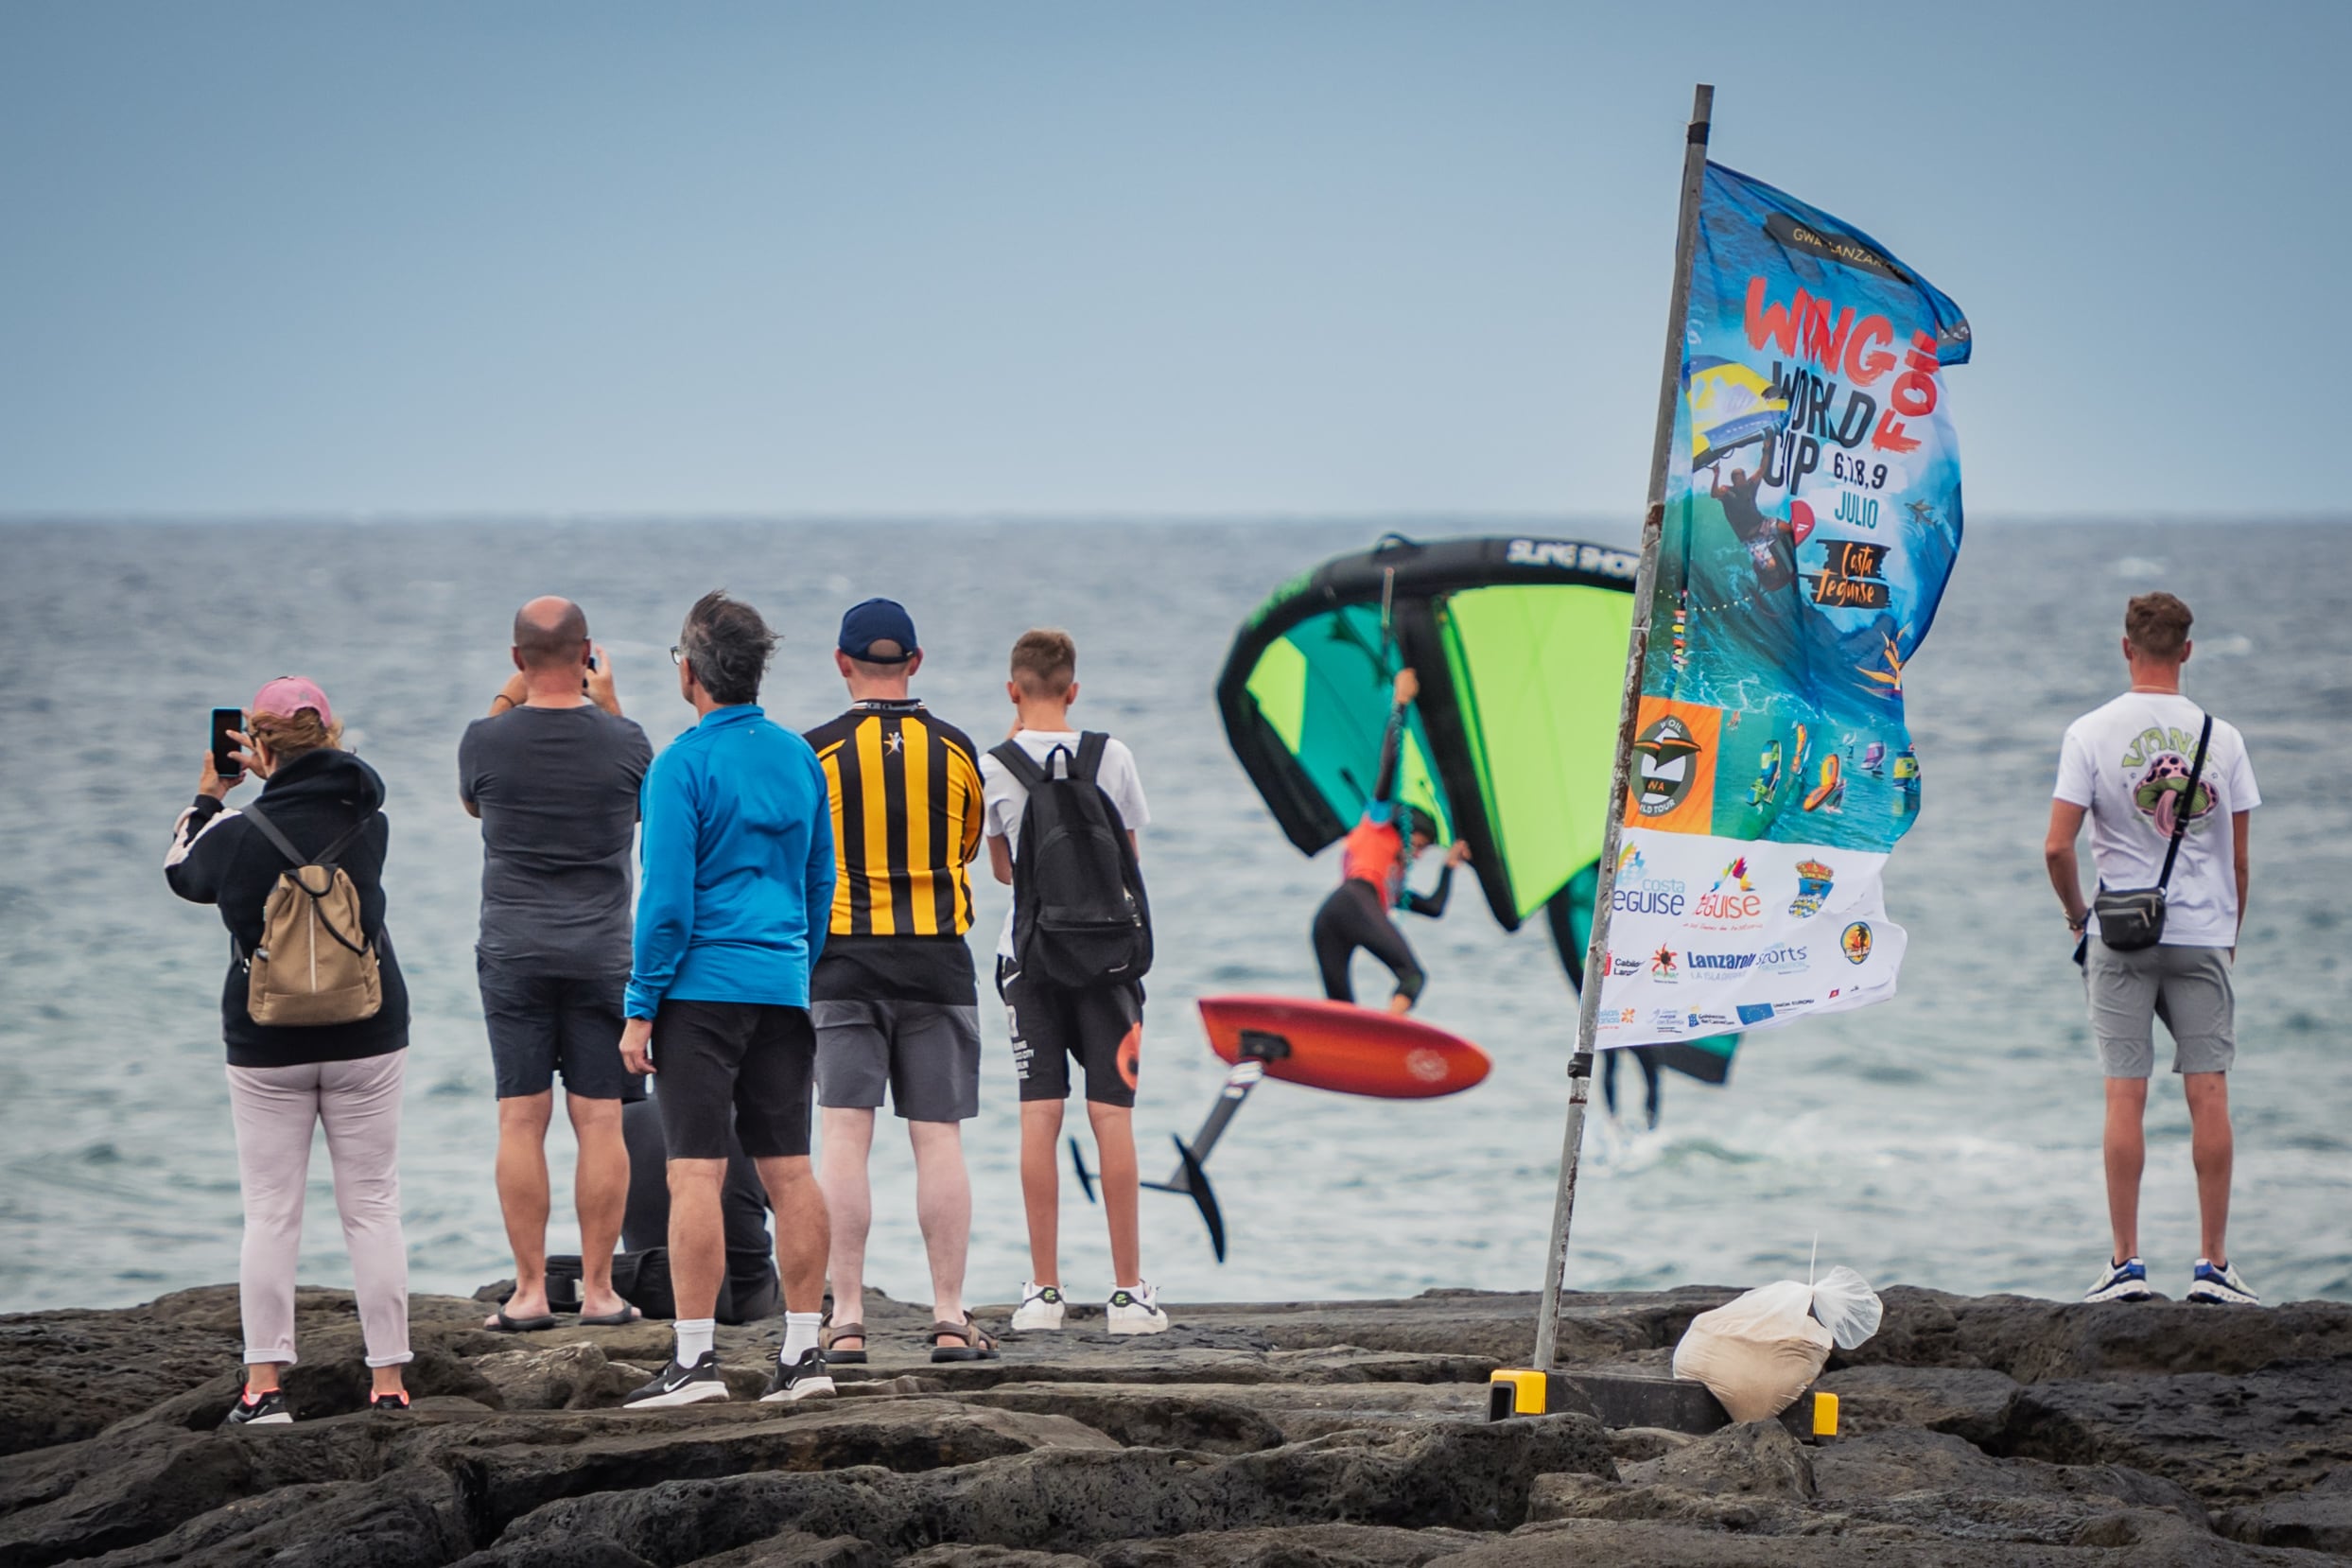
2187,987
926,1054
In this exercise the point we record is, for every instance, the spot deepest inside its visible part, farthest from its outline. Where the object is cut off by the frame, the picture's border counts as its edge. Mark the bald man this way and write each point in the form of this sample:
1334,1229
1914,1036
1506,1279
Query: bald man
553,773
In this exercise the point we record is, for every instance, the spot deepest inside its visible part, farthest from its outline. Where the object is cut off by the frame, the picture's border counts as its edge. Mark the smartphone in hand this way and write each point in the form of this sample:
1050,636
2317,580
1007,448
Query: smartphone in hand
226,722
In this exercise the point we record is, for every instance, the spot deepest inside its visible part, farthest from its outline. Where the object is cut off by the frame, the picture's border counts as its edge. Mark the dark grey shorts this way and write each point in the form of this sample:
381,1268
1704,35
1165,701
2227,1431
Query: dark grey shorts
539,1023
926,1053
2187,987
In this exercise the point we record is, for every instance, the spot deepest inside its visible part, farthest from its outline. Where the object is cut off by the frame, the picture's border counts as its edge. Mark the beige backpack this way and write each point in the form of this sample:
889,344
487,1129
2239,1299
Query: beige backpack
315,964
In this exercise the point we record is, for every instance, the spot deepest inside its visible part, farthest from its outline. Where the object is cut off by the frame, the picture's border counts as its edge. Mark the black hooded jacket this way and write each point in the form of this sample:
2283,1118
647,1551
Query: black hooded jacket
219,858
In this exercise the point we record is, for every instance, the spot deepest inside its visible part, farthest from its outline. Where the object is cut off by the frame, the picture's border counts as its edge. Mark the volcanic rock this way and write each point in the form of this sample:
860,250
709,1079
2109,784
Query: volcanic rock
1330,1435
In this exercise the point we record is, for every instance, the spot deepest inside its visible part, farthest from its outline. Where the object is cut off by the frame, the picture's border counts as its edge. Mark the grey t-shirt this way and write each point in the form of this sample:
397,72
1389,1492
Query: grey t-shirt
557,792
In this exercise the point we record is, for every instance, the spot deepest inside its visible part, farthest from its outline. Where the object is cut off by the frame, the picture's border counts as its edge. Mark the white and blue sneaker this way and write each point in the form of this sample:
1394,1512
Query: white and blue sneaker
2220,1284
2123,1281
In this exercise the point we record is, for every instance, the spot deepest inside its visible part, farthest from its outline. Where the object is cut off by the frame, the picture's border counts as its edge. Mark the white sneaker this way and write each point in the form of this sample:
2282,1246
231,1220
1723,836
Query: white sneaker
2123,1281
1136,1310
2220,1286
1041,1307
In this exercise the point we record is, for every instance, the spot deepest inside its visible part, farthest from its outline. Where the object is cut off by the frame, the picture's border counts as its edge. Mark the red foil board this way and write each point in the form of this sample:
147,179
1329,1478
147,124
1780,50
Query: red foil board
1350,1049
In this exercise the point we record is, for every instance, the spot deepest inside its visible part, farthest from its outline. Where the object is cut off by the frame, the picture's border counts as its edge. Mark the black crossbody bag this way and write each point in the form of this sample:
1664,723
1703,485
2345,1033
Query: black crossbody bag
2130,918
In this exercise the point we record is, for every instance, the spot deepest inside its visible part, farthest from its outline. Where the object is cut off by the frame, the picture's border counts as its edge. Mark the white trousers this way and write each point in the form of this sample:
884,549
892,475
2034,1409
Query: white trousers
276,1109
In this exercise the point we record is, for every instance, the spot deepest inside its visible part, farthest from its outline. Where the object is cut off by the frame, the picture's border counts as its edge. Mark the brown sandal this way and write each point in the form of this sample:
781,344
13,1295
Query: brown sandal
827,1338
976,1347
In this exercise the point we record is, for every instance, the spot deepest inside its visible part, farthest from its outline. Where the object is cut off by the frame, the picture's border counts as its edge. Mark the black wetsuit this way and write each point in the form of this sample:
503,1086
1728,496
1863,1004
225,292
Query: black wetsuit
1351,918
1356,915
1568,935
1646,1057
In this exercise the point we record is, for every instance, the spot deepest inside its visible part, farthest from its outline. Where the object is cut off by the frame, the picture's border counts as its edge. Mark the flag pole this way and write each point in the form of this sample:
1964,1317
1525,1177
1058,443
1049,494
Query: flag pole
1620,777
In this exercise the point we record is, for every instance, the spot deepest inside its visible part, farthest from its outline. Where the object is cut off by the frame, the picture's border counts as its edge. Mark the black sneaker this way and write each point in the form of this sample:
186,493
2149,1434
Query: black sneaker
252,1409
398,1403
805,1379
681,1385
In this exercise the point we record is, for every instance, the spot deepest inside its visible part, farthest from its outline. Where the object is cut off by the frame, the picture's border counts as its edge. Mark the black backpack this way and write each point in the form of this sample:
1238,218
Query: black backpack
1080,919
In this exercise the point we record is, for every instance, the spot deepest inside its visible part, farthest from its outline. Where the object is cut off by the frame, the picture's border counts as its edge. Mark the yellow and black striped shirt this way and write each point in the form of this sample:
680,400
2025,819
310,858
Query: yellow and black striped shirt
904,789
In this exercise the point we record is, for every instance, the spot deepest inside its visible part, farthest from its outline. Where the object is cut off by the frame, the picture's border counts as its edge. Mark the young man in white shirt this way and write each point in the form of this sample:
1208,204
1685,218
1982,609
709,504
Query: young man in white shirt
1100,1027
2127,766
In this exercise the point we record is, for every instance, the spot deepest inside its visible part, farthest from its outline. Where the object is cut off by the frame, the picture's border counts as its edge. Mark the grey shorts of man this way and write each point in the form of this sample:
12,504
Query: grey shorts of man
2187,987
924,1054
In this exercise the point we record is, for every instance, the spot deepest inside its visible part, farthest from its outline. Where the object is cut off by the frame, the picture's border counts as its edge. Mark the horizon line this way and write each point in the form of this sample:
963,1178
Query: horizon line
508,517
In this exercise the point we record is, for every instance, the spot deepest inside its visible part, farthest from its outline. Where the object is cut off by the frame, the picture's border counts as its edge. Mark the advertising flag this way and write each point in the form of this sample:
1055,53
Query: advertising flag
1812,514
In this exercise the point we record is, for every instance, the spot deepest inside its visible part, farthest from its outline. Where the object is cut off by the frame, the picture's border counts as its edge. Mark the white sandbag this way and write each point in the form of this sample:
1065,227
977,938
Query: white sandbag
1757,1352
1844,1304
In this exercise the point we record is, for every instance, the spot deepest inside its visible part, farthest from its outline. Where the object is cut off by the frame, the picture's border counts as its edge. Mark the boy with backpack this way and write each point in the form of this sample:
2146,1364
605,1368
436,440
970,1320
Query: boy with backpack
1062,812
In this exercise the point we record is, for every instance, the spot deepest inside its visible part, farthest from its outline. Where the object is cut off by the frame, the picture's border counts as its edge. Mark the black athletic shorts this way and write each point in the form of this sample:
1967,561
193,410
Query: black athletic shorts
745,1064
1101,1027
540,1024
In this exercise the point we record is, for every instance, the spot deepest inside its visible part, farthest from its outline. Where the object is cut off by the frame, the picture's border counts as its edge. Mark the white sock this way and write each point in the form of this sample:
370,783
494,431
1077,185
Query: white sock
800,1335
694,1337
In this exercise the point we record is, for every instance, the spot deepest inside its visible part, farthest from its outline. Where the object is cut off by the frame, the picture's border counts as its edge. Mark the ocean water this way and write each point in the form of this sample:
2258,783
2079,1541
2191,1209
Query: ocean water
1949,1138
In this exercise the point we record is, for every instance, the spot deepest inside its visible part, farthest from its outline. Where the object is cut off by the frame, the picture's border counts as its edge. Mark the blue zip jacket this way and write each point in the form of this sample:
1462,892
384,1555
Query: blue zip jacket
738,877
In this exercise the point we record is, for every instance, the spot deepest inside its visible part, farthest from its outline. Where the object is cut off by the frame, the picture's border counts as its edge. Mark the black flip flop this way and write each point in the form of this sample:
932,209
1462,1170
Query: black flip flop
621,1319
519,1325
976,1347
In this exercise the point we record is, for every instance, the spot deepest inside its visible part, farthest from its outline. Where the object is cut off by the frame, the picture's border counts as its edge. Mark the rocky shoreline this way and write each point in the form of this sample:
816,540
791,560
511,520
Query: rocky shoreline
1978,1431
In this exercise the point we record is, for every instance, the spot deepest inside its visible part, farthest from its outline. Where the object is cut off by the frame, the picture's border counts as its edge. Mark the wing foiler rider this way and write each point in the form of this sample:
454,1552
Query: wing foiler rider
1375,856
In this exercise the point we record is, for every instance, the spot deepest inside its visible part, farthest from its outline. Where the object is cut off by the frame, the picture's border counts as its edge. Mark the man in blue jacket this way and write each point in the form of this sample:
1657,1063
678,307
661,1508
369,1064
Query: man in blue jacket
737,886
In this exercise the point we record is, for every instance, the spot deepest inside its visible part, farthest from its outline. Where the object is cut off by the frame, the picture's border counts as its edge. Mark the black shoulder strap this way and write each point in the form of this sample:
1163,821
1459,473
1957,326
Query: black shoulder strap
1017,762
284,846
2188,801
269,832
1089,761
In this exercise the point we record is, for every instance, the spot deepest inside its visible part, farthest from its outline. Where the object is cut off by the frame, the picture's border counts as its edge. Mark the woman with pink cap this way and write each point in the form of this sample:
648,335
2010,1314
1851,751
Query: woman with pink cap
321,803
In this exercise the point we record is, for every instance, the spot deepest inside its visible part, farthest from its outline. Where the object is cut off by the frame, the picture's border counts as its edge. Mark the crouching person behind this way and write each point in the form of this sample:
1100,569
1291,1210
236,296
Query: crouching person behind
316,1019
738,848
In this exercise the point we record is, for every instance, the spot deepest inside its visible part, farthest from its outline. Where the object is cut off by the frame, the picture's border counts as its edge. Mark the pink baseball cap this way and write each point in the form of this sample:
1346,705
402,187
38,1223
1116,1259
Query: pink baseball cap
288,695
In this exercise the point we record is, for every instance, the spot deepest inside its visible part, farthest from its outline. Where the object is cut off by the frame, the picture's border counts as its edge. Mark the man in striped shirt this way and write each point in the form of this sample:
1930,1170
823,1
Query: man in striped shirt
895,1002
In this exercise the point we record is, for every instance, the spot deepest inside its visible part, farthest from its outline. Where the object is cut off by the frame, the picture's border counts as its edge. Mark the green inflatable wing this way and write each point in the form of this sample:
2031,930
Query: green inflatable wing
1519,644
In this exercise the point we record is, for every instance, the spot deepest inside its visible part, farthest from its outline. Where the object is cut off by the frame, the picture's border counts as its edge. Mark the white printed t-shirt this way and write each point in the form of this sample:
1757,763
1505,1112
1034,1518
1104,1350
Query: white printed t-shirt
2128,764
1003,796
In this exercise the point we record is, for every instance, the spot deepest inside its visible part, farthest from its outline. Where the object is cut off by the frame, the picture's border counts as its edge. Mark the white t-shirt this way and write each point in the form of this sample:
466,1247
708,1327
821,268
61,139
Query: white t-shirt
1003,796
2128,764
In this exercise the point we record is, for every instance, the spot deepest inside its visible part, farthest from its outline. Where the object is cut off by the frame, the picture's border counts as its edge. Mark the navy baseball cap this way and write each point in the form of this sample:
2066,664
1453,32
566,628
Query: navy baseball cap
878,620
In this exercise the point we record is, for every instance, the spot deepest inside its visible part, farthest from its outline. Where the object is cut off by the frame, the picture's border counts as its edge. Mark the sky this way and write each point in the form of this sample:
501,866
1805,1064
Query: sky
1023,257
